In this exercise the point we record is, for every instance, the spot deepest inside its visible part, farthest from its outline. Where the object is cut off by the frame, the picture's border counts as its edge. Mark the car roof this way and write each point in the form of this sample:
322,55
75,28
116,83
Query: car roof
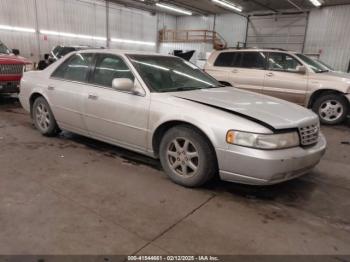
75,46
121,52
256,50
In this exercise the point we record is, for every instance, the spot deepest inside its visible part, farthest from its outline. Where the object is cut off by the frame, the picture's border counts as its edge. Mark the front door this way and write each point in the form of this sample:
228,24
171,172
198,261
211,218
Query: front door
282,79
112,115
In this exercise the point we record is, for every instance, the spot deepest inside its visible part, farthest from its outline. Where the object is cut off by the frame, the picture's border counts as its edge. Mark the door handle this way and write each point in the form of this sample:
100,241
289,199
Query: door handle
93,97
269,74
234,71
50,88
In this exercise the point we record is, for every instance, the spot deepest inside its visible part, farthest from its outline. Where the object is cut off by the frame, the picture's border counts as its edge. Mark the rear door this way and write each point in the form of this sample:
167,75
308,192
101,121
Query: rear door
249,71
222,67
282,79
243,70
66,89
111,115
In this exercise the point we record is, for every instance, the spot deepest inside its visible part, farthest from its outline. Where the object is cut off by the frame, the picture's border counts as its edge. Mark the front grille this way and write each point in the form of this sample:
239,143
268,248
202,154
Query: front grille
9,83
309,134
9,87
11,69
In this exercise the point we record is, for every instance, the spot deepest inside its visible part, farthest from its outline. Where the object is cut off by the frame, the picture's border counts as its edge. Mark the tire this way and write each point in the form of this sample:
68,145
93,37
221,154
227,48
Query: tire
332,109
43,118
187,156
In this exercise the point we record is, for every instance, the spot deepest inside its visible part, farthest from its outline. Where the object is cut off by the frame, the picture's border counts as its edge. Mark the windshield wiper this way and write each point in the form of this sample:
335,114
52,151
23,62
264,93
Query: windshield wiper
322,71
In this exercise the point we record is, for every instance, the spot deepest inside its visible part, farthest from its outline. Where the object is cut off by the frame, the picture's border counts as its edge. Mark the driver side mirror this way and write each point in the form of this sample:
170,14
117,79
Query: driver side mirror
301,69
123,84
15,51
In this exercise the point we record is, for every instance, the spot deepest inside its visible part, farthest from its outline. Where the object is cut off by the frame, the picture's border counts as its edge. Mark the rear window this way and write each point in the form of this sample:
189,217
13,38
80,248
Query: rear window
254,60
225,59
75,68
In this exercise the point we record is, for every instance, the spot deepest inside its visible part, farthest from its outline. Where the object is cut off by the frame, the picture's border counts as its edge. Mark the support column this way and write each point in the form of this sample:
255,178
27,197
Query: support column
107,25
37,30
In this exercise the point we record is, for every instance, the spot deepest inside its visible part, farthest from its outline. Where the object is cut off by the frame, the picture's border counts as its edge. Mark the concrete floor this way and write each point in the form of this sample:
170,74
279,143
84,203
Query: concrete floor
73,195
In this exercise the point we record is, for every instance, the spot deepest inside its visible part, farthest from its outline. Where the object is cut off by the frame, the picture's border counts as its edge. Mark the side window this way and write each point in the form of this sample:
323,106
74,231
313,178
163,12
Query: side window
75,68
238,59
109,67
282,62
253,60
225,59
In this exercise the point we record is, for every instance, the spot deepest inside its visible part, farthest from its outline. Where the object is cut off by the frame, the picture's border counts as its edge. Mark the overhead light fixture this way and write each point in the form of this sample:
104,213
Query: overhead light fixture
229,5
55,33
175,9
15,28
316,3
127,41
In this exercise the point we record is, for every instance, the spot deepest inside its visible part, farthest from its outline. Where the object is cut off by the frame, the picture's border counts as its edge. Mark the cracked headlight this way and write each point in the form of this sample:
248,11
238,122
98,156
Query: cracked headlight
263,141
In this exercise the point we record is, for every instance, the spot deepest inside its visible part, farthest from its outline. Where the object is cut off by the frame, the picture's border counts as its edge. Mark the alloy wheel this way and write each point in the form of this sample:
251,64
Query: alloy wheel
183,157
331,110
42,117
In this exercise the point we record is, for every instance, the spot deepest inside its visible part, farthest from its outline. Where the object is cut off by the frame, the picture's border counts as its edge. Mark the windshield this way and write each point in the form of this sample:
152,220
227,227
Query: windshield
316,66
170,74
325,65
4,49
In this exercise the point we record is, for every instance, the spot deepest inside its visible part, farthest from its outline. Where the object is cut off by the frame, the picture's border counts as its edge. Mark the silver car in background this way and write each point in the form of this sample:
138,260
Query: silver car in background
287,75
167,108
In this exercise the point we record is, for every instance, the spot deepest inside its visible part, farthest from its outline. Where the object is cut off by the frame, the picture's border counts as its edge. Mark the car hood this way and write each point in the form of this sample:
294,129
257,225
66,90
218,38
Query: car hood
334,75
13,59
271,112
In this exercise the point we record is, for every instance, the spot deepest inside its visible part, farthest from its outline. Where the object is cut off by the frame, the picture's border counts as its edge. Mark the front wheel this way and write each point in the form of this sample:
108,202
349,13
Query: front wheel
43,118
187,156
332,109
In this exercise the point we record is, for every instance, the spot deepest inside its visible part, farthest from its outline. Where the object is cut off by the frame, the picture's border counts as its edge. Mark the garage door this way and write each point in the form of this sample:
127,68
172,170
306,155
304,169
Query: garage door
277,31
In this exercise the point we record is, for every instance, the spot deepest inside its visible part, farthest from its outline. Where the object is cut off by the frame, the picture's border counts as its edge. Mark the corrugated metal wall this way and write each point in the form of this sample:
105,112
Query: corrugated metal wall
232,27
195,22
329,31
132,24
328,28
78,17
86,17
277,31
166,21
19,13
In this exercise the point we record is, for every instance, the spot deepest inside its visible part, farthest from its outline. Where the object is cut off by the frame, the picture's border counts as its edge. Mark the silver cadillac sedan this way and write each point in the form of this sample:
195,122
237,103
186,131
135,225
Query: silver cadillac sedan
167,108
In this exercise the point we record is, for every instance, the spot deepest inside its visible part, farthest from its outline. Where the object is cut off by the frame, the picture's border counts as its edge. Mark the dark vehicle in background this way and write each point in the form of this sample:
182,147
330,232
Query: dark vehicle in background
12,67
60,51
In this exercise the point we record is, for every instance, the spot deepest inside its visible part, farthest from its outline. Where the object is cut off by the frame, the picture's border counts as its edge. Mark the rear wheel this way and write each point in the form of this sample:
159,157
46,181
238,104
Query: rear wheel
187,157
43,118
332,109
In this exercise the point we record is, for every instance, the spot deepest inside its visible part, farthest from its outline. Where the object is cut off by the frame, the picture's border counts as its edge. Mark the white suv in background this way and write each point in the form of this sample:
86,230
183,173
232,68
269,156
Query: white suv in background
286,75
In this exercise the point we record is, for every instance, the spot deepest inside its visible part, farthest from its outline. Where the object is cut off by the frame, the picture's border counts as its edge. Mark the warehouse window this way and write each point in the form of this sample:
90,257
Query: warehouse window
76,68
109,67
253,60
282,62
